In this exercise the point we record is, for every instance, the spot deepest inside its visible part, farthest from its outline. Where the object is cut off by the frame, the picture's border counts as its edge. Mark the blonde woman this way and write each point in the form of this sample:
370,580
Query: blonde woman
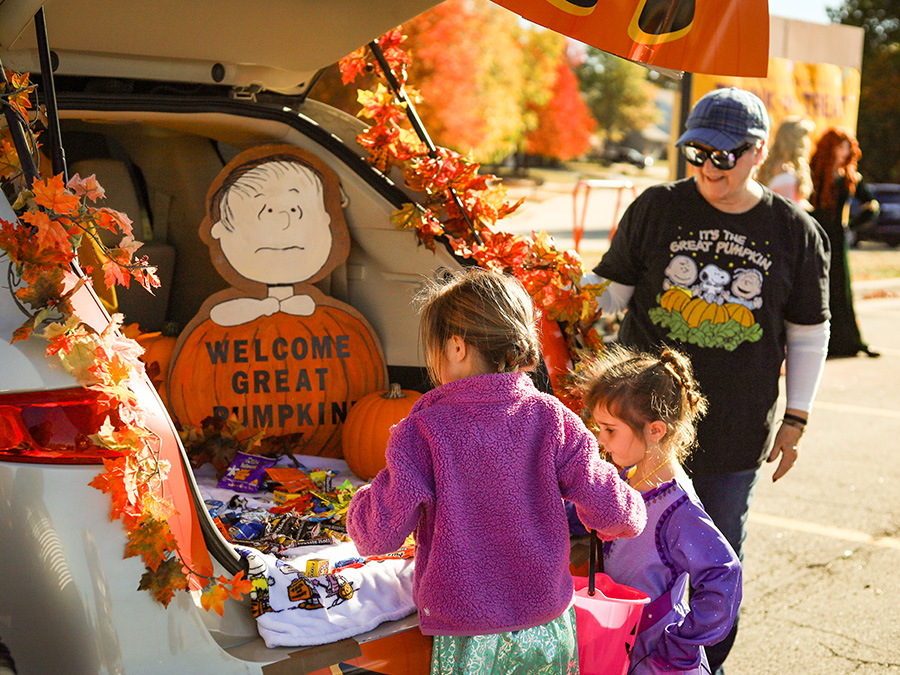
786,169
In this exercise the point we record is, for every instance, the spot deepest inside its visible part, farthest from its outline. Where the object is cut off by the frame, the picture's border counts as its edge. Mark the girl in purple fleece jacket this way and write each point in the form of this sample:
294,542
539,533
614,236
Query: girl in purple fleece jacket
479,470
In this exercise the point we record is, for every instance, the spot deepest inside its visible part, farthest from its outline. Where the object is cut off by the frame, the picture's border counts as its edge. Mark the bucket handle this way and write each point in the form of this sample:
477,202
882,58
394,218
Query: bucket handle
595,563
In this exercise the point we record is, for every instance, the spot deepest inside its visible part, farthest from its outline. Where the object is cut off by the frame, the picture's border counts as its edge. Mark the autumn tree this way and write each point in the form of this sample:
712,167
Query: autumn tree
878,125
481,74
617,93
565,124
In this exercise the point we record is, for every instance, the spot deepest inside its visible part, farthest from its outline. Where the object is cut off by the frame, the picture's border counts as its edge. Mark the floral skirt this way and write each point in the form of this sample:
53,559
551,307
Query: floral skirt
550,649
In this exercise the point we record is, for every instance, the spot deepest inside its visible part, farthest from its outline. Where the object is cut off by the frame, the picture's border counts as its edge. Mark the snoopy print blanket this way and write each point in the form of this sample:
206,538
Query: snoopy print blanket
317,590
294,609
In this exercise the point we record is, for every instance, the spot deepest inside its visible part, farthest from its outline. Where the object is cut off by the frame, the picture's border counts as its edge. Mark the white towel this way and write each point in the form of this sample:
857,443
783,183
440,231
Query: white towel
293,610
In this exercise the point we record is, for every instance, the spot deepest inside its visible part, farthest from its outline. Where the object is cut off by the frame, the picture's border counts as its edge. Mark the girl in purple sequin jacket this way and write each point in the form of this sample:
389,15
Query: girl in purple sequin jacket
645,408
479,470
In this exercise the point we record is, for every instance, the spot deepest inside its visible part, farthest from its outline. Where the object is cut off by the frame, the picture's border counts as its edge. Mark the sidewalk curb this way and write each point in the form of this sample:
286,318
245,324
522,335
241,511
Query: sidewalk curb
874,288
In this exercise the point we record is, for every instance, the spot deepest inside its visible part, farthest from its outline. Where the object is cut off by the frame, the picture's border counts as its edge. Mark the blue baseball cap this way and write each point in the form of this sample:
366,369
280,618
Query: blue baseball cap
725,118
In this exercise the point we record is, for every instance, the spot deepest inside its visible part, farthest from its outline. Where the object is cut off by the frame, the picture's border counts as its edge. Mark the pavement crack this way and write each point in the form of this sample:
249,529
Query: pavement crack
858,661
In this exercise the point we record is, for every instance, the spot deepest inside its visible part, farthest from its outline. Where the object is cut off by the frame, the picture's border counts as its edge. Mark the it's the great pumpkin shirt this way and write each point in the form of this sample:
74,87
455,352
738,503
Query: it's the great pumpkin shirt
719,286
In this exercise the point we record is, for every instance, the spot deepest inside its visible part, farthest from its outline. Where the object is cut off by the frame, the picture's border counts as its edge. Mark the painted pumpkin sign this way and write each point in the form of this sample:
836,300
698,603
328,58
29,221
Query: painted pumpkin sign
273,351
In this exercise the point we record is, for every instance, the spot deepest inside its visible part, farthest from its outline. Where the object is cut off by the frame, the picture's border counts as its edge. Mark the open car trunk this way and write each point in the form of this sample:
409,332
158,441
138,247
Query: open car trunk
156,118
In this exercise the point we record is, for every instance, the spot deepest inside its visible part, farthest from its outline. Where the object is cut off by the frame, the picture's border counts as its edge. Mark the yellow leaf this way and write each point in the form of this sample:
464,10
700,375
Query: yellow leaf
214,599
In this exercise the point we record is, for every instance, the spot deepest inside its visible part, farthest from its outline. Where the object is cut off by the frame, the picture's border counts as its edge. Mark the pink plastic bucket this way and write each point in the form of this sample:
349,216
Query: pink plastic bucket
606,624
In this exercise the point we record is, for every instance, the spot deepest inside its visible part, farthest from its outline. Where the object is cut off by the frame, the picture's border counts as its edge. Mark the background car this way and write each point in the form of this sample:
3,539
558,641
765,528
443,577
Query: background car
883,227
623,154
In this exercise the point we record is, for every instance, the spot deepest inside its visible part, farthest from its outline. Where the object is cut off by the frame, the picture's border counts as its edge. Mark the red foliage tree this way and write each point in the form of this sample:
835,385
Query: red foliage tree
565,123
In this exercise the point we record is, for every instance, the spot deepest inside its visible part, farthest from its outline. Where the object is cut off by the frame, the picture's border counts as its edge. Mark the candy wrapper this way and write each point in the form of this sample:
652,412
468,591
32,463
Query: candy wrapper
245,473
291,479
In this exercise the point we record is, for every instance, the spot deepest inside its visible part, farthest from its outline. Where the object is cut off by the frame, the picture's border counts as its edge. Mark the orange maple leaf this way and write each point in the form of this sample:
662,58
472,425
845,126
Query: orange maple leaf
146,276
50,234
162,583
52,194
214,598
240,586
152,541
18,83
112,481
115,268
110,219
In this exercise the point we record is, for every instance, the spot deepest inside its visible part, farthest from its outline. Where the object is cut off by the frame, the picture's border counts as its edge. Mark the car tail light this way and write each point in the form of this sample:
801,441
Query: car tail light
53,427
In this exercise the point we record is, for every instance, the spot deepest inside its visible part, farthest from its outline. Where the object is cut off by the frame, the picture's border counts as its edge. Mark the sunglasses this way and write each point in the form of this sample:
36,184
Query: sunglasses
721,159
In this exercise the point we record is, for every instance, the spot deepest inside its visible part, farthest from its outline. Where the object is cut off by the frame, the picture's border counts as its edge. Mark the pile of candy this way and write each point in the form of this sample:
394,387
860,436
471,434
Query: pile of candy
307,509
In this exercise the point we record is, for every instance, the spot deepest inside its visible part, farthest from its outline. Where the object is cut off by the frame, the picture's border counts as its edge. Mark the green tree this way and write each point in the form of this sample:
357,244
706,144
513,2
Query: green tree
878,125
617,93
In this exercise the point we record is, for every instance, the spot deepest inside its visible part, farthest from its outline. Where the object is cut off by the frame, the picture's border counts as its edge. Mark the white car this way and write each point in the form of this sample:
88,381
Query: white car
155,98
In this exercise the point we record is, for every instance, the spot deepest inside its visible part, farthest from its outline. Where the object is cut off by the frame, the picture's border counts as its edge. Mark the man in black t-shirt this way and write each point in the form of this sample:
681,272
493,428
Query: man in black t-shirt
735,276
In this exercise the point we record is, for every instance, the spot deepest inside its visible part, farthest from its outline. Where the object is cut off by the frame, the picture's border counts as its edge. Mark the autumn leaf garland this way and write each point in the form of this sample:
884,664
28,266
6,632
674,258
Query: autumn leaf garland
41,244
552,277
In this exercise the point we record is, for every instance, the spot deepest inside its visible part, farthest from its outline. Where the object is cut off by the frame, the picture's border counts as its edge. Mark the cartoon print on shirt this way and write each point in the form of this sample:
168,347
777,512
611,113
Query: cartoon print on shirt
680,272
746,286
712,284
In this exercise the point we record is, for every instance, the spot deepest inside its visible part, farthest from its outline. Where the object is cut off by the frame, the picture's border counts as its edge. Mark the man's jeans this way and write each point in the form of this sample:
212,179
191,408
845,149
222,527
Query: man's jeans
726,498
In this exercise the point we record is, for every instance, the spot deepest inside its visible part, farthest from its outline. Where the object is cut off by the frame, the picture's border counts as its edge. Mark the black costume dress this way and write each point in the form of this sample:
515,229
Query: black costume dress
846,339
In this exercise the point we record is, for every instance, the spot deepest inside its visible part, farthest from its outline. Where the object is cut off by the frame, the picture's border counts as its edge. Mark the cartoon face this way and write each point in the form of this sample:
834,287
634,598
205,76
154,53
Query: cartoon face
682,271
747,283
256,566
274,226
714,276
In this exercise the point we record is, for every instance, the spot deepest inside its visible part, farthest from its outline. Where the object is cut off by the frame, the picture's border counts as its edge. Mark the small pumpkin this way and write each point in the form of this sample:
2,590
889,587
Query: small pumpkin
368,428
675,299
158,347
740,314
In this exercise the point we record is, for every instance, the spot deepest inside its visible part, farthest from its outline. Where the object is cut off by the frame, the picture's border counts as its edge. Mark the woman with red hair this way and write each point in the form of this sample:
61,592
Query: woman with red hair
835,180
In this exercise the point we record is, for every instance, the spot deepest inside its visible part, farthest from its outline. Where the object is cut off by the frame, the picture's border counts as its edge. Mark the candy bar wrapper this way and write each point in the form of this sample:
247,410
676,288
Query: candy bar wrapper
291,479
246,472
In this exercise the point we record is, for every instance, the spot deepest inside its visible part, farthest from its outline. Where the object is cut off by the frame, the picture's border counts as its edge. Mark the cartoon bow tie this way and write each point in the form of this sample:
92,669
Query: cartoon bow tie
244,310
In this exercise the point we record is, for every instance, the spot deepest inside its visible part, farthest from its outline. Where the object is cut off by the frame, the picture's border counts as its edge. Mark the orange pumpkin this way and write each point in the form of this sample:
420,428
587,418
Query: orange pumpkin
368,428
740,313
280,374
158,347
699,310
675,299
131,330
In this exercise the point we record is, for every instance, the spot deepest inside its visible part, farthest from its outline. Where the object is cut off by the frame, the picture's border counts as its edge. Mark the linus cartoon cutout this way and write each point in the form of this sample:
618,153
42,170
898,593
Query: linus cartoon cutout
709,307
273,351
